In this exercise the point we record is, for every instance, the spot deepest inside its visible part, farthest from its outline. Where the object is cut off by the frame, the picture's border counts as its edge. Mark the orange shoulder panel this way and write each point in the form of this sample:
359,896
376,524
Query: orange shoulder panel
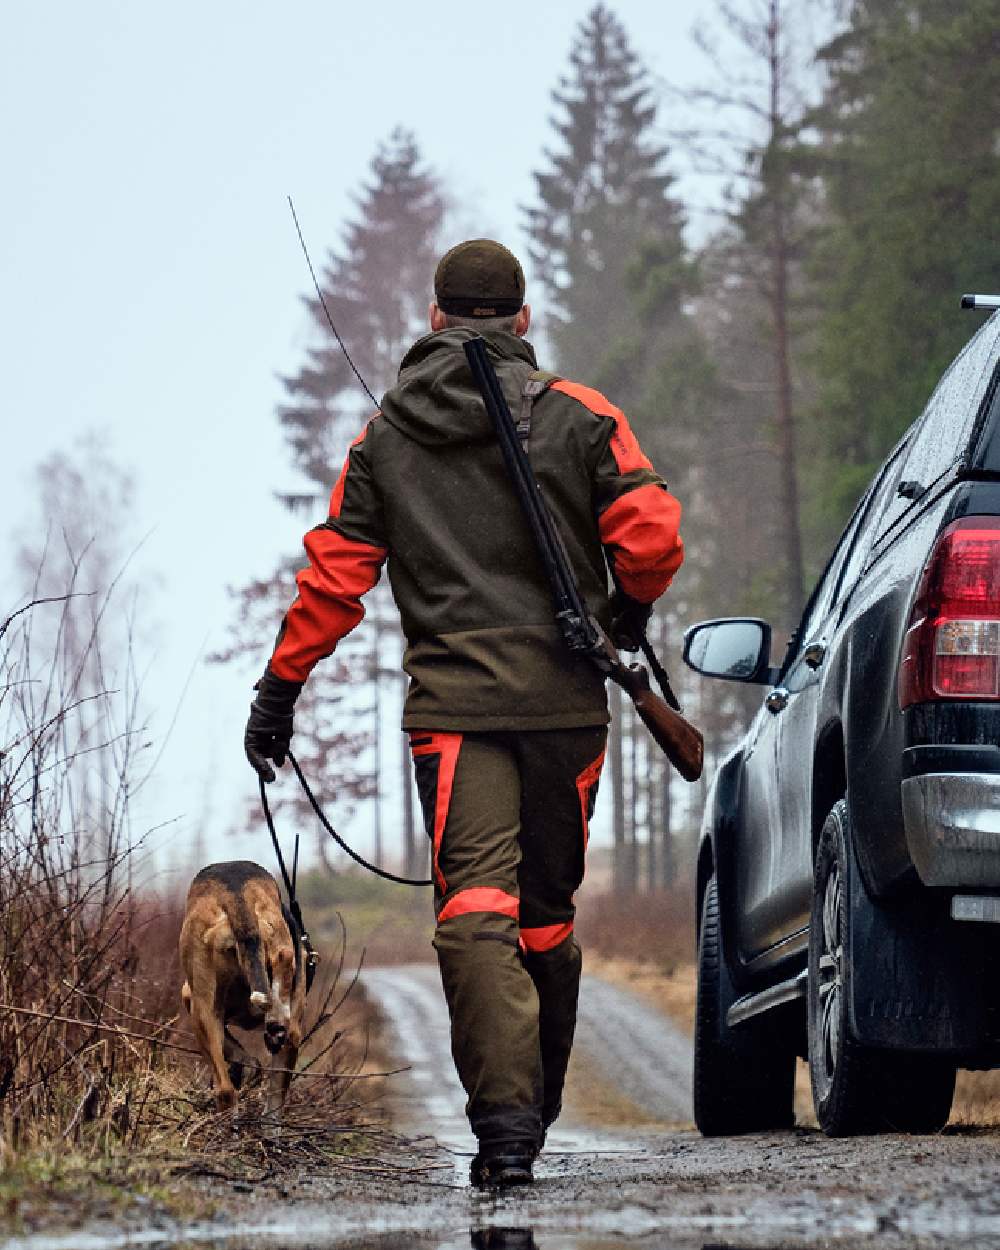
624,444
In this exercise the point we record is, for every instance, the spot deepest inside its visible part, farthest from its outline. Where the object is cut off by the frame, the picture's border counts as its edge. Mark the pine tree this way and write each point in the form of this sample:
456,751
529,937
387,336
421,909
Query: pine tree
377,286
604,194
908,157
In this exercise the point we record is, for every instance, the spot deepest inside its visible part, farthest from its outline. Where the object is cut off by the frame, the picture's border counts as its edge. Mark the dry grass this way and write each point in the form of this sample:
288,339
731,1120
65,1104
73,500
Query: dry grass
977,1100
86,1000
153,1133
654,929
671,992
100,1079
136,1096
594,1097
393,924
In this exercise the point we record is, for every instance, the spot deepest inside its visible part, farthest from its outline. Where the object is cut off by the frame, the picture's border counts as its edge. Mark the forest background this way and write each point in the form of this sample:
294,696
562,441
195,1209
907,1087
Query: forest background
757,254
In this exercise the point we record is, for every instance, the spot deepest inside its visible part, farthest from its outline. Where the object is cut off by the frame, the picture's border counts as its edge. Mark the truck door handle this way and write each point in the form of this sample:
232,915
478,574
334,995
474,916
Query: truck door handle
911,490
814,654
777,700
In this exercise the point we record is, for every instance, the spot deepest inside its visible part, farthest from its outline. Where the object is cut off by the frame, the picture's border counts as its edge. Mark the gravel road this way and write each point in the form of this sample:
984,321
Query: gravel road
646,1058
599,1189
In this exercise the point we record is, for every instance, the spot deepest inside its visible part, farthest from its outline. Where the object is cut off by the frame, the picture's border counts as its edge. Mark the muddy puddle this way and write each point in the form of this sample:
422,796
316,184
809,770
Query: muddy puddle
499,1224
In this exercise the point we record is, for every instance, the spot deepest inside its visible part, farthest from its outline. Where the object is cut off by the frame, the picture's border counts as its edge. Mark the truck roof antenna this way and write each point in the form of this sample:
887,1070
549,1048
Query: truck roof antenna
986,303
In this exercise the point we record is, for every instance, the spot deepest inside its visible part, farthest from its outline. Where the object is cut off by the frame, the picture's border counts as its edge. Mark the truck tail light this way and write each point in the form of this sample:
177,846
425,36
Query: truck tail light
952,644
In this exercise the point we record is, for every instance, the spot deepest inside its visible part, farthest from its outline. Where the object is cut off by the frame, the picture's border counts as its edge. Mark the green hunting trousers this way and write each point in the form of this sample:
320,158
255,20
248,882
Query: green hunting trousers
508,815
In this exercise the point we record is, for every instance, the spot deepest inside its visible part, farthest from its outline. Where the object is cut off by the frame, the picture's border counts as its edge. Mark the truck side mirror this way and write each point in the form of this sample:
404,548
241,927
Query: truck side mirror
734,648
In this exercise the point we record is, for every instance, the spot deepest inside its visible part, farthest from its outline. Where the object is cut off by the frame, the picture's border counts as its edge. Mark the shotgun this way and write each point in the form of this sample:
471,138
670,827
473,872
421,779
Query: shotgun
676,737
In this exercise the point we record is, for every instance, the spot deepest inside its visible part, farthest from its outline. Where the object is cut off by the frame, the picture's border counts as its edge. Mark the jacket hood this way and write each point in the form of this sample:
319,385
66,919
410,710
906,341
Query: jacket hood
436,401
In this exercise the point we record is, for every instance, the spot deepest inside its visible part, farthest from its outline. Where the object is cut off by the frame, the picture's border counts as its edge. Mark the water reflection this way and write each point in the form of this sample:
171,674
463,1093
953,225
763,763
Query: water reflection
503,1239
494,1237
489,1238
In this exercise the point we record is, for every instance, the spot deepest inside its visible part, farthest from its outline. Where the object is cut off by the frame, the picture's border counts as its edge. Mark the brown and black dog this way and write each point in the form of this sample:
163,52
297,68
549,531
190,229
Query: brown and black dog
245,964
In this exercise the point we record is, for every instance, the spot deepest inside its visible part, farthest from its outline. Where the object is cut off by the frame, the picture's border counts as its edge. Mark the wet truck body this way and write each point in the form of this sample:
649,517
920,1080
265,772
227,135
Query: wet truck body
849,866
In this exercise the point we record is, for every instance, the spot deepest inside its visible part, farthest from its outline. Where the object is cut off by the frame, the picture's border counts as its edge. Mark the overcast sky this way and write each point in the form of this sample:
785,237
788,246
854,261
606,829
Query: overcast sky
152,280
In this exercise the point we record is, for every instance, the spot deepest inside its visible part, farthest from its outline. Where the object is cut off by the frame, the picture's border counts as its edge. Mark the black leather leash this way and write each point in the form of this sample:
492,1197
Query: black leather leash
312,958
293,905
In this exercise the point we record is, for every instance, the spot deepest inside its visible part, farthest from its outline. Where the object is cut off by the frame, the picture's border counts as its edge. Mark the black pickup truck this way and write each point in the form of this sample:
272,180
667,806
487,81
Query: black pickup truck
849,866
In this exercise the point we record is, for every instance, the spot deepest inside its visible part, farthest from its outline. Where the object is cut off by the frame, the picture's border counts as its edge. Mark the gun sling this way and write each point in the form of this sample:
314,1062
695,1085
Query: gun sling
676,737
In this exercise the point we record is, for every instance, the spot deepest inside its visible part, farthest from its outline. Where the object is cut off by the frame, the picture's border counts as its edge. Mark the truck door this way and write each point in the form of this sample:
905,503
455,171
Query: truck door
803,685
768,861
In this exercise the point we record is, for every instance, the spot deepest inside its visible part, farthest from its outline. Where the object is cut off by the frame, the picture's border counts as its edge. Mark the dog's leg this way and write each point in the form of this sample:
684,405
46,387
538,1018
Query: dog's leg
234,1055
282,1068
208,1029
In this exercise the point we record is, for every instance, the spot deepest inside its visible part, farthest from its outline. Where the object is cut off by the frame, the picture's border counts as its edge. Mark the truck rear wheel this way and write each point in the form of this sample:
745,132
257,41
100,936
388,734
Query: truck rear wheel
858,1089
743,1076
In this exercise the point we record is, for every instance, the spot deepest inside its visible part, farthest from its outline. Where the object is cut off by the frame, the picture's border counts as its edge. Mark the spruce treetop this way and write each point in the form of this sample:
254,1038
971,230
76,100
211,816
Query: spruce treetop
604,189
377,286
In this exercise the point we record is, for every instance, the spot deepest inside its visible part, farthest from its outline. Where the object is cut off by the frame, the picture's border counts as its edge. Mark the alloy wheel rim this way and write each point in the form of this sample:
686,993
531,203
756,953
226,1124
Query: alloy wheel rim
829,1004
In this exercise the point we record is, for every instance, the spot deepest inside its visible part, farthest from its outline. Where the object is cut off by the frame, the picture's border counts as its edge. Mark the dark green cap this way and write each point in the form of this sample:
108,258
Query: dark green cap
479,278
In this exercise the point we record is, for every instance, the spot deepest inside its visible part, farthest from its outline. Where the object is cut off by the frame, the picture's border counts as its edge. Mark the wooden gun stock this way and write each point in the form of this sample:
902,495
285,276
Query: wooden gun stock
677,738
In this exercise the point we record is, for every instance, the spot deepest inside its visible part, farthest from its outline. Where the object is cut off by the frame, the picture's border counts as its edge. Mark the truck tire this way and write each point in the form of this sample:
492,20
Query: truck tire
858,1089
743,1076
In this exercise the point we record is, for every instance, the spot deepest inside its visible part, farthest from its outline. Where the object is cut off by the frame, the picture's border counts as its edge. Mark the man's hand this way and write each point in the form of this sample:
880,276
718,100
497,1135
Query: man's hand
629,619
269,729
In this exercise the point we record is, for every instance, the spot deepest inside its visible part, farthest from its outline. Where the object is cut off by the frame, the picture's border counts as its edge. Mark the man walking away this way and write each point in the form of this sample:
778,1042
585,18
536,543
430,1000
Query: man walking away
507,726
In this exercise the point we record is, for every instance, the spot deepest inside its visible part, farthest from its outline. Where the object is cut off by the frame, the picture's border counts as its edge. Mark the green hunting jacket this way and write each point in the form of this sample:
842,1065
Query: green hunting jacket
425,491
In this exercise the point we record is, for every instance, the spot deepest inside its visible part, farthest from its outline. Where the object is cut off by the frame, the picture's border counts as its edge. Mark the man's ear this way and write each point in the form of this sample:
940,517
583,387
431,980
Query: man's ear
436,318
522,321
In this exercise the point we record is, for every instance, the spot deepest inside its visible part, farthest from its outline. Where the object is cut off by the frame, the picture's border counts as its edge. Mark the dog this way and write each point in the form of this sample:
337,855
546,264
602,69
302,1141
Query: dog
245,963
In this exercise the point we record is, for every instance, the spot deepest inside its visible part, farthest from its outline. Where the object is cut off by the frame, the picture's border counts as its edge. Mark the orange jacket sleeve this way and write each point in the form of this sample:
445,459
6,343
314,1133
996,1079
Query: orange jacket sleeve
638,518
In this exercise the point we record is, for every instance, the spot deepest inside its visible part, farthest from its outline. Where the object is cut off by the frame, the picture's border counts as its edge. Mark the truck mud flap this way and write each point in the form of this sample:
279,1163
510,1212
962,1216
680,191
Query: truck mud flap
916,979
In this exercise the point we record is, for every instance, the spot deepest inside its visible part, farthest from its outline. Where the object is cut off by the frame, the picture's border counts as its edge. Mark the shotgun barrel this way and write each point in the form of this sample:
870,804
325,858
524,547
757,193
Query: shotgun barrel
679,740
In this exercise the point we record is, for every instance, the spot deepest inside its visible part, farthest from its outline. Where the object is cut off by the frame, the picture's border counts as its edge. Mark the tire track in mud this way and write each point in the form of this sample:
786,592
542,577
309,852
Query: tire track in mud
636,1050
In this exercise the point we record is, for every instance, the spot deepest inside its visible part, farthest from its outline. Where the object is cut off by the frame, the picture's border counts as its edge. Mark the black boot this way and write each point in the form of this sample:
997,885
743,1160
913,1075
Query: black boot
500,1164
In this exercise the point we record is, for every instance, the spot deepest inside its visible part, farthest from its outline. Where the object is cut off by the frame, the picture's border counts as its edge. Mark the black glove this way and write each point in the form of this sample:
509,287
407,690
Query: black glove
629,619
269,729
